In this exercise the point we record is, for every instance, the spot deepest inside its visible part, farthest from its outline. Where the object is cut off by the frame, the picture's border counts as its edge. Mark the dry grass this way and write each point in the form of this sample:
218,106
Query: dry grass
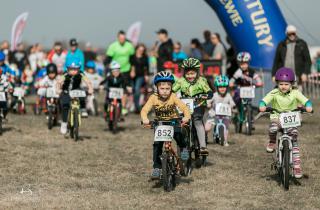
106,171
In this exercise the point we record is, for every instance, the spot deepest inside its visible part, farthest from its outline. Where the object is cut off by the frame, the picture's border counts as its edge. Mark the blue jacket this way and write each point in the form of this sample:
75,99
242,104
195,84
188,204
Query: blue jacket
7,70
179,56
78,53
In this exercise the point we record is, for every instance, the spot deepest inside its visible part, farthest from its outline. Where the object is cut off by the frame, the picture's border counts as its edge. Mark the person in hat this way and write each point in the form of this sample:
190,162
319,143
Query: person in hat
293,53
165,49
75,52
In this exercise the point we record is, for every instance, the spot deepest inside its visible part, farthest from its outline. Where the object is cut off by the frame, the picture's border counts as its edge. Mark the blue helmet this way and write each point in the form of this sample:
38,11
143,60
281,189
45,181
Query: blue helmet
91,65
74,62
163,76
2,56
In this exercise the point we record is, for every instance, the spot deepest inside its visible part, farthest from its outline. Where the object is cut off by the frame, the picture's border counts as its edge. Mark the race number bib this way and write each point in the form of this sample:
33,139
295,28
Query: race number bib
290,119
77,94
3,96
223,109
247,92
18,92
164,133
189,103
116,93
51,93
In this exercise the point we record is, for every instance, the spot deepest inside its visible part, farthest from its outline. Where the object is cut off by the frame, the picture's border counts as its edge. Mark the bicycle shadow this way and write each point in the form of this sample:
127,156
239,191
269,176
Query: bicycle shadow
276,178
179,181
7,129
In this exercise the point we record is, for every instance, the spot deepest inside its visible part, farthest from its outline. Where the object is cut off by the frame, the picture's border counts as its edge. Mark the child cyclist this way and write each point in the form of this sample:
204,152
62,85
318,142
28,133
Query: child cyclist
192,85
165,104
244,76
221,84
49,80
285,97
115,80
71,80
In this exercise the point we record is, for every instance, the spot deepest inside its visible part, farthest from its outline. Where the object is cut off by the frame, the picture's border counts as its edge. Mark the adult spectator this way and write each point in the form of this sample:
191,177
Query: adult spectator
75,52
19,57
178,54
165,49
219,52
232,64
58,56
196,50
89,54
120,51
139,72
5,48
293,53
207,45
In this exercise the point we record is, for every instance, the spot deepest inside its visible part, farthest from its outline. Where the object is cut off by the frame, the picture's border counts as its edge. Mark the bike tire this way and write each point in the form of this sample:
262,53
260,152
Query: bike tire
221,135
115,119
186,164
285,165
249,121
167,173
96,107
1,128
76,124
50,119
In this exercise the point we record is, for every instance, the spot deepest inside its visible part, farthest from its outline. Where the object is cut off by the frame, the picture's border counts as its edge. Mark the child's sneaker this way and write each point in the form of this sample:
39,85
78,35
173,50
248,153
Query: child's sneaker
297,172
271,147
155,174
204,151
226,144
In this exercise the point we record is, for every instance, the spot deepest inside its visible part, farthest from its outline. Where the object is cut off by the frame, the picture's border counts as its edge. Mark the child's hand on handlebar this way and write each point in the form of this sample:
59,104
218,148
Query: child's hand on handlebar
262,108
309,109
146,122
185,120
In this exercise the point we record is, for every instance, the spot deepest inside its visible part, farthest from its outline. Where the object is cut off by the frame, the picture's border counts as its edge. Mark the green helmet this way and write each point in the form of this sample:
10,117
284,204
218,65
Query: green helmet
190,64
221,81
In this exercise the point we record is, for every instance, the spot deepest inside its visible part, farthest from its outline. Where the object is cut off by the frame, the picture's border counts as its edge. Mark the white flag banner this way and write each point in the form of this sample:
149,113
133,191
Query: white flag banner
17,29
133,32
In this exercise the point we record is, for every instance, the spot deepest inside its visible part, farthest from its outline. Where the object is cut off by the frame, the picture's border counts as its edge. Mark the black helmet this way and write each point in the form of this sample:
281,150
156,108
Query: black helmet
52,68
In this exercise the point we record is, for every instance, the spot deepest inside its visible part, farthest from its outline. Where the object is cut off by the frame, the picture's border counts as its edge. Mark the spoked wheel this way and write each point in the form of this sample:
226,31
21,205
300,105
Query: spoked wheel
221,135
95,107
1,129
168,175
76,125
237,124
285,168
249,121
186,165
50,119
115,119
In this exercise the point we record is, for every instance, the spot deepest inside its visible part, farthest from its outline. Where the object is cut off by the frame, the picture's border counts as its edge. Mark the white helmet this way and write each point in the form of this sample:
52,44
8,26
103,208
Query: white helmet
114,65
243,57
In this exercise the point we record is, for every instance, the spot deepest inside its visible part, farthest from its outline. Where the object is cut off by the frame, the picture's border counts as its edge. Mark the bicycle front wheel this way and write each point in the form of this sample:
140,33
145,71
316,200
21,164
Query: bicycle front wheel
76,124
249,121
285,165
168,175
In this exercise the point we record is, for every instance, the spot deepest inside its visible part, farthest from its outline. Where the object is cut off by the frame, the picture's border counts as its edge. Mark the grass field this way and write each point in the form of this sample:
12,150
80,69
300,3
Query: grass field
41,169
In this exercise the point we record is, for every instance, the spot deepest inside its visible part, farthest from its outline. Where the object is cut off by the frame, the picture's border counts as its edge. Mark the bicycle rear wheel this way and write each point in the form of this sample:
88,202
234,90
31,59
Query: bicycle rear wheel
168,175
50,119
285,165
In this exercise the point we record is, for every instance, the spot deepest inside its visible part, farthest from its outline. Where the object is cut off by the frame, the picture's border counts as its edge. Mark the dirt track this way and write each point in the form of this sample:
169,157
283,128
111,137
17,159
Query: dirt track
106,171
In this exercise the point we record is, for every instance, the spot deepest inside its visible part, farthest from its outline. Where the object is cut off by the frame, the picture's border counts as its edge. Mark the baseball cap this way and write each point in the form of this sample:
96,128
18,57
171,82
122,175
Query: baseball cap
162,31
73,42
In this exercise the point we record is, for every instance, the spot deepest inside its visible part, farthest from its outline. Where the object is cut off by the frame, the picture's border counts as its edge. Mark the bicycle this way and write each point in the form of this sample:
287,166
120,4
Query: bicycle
171,163
52,107
74,115
222,111
193,141
19,106
283,157
114,109
245,110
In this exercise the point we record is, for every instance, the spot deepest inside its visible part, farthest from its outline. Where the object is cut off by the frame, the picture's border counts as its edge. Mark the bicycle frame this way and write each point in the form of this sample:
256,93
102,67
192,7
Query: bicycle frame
114,105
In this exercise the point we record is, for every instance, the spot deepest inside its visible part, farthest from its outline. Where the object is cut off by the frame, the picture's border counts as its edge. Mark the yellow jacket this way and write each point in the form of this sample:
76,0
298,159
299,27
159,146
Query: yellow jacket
165,110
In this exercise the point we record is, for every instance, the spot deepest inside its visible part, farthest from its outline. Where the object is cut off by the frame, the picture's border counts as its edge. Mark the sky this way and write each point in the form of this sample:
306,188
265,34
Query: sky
98,21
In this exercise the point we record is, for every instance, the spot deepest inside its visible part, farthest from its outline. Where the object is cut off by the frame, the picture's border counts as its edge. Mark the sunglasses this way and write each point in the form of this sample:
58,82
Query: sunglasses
291,34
